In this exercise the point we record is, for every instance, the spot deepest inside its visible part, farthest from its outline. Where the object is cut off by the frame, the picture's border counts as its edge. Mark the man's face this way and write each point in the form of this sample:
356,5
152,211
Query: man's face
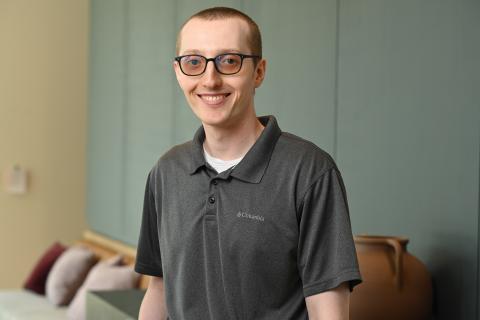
216,99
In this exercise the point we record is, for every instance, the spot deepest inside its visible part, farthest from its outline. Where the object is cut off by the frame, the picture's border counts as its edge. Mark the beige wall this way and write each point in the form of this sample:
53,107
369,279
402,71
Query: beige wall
43,105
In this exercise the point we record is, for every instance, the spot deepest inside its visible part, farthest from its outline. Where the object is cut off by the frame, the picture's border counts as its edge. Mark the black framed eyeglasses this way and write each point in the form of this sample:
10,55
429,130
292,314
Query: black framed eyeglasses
225,63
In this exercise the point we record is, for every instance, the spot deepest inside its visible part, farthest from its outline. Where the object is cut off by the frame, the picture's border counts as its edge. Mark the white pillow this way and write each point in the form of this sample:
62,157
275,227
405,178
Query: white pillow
106,275
68,274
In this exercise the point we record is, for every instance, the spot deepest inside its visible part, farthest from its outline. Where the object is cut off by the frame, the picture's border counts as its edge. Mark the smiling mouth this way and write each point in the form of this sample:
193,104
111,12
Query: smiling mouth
213,99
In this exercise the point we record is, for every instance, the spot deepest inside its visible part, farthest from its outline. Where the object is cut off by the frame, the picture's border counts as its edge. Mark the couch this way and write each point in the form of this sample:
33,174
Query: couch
20,304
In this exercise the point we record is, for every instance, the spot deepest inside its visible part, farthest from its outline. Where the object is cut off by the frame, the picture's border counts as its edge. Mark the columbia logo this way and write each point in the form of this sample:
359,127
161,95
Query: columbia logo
243,214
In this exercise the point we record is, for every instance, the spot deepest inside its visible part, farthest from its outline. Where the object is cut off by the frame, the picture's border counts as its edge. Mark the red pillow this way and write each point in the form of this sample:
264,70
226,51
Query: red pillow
38,277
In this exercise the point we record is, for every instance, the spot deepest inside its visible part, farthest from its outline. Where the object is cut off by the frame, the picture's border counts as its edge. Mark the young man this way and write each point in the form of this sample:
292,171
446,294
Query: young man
245,221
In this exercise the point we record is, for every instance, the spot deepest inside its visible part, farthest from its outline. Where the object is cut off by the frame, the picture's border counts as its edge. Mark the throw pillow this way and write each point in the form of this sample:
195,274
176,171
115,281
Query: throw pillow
38,276
106,275
68,274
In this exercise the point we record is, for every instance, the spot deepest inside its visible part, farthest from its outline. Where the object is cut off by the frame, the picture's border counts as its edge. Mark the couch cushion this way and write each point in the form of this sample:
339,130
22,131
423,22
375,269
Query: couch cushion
38,276
68,274
106,275
19,304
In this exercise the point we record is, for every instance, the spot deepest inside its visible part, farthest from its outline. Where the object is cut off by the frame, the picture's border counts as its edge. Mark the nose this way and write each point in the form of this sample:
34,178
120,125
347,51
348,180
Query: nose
211,78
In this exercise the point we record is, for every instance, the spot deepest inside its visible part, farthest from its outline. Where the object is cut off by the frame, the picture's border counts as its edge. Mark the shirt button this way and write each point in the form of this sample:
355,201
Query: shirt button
211,200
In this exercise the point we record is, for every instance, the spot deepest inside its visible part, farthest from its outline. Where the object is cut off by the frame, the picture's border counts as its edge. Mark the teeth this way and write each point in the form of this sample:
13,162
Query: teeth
213,98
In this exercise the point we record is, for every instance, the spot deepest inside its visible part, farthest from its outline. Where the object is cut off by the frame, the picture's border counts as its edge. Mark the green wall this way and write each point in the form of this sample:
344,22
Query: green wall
389,88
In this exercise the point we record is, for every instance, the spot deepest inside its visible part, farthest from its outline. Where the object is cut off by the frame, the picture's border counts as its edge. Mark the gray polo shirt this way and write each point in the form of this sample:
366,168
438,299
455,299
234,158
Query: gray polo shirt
253,241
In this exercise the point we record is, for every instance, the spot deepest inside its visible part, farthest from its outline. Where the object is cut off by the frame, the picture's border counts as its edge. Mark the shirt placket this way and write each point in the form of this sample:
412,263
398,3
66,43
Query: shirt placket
213,266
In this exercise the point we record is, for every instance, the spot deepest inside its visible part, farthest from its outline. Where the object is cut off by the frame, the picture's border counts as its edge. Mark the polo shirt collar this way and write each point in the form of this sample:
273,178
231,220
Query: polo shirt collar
253,165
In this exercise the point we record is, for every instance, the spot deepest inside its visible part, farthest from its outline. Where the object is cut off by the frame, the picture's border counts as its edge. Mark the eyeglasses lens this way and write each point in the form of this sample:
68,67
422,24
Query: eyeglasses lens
229,63
226,64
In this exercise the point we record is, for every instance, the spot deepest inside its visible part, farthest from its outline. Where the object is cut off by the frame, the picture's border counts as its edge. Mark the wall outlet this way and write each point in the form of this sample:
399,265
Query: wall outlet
15,180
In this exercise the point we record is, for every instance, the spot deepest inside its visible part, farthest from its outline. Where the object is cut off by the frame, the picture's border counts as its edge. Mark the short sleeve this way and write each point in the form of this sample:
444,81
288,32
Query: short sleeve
326,252
149,259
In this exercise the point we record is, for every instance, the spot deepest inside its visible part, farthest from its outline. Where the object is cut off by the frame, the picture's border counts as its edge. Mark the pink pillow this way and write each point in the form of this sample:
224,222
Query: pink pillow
68,274
38,276
106,275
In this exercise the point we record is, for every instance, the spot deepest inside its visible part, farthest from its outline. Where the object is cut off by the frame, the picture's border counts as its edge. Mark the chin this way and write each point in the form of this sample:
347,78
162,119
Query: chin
212,118
214,122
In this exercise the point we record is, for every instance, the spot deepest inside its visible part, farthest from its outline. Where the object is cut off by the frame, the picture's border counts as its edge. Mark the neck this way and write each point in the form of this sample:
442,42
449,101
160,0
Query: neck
232,142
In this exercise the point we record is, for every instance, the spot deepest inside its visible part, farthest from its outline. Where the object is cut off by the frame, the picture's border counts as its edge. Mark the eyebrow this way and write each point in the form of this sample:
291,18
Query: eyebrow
222,51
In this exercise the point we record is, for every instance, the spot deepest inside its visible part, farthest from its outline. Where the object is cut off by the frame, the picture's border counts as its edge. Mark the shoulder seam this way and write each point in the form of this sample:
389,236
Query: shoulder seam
315,180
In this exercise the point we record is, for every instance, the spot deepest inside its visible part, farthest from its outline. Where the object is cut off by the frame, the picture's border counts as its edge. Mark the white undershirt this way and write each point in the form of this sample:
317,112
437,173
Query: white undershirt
218,164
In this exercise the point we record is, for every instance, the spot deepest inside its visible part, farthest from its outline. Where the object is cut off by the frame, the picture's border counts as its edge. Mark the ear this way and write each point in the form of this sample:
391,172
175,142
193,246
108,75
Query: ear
260,72
177,70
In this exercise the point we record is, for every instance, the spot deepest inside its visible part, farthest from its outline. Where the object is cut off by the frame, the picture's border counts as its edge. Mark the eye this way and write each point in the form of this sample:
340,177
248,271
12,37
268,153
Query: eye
192,61
229,60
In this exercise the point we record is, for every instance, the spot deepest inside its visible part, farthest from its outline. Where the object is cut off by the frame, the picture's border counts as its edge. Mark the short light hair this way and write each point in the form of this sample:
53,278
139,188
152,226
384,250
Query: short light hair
221,13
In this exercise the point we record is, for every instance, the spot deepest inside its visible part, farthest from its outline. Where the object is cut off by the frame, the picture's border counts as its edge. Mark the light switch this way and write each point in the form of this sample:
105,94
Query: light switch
15,180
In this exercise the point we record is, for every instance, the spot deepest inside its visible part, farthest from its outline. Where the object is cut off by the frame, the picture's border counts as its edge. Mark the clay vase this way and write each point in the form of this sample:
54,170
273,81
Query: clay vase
396,285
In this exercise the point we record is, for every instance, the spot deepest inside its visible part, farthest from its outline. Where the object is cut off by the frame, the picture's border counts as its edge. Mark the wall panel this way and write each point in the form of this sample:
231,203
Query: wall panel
408,133
300,48
150,108
106,117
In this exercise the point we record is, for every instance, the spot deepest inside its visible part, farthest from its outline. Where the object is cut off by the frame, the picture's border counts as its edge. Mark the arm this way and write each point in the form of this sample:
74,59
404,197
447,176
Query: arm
153,304
330,305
